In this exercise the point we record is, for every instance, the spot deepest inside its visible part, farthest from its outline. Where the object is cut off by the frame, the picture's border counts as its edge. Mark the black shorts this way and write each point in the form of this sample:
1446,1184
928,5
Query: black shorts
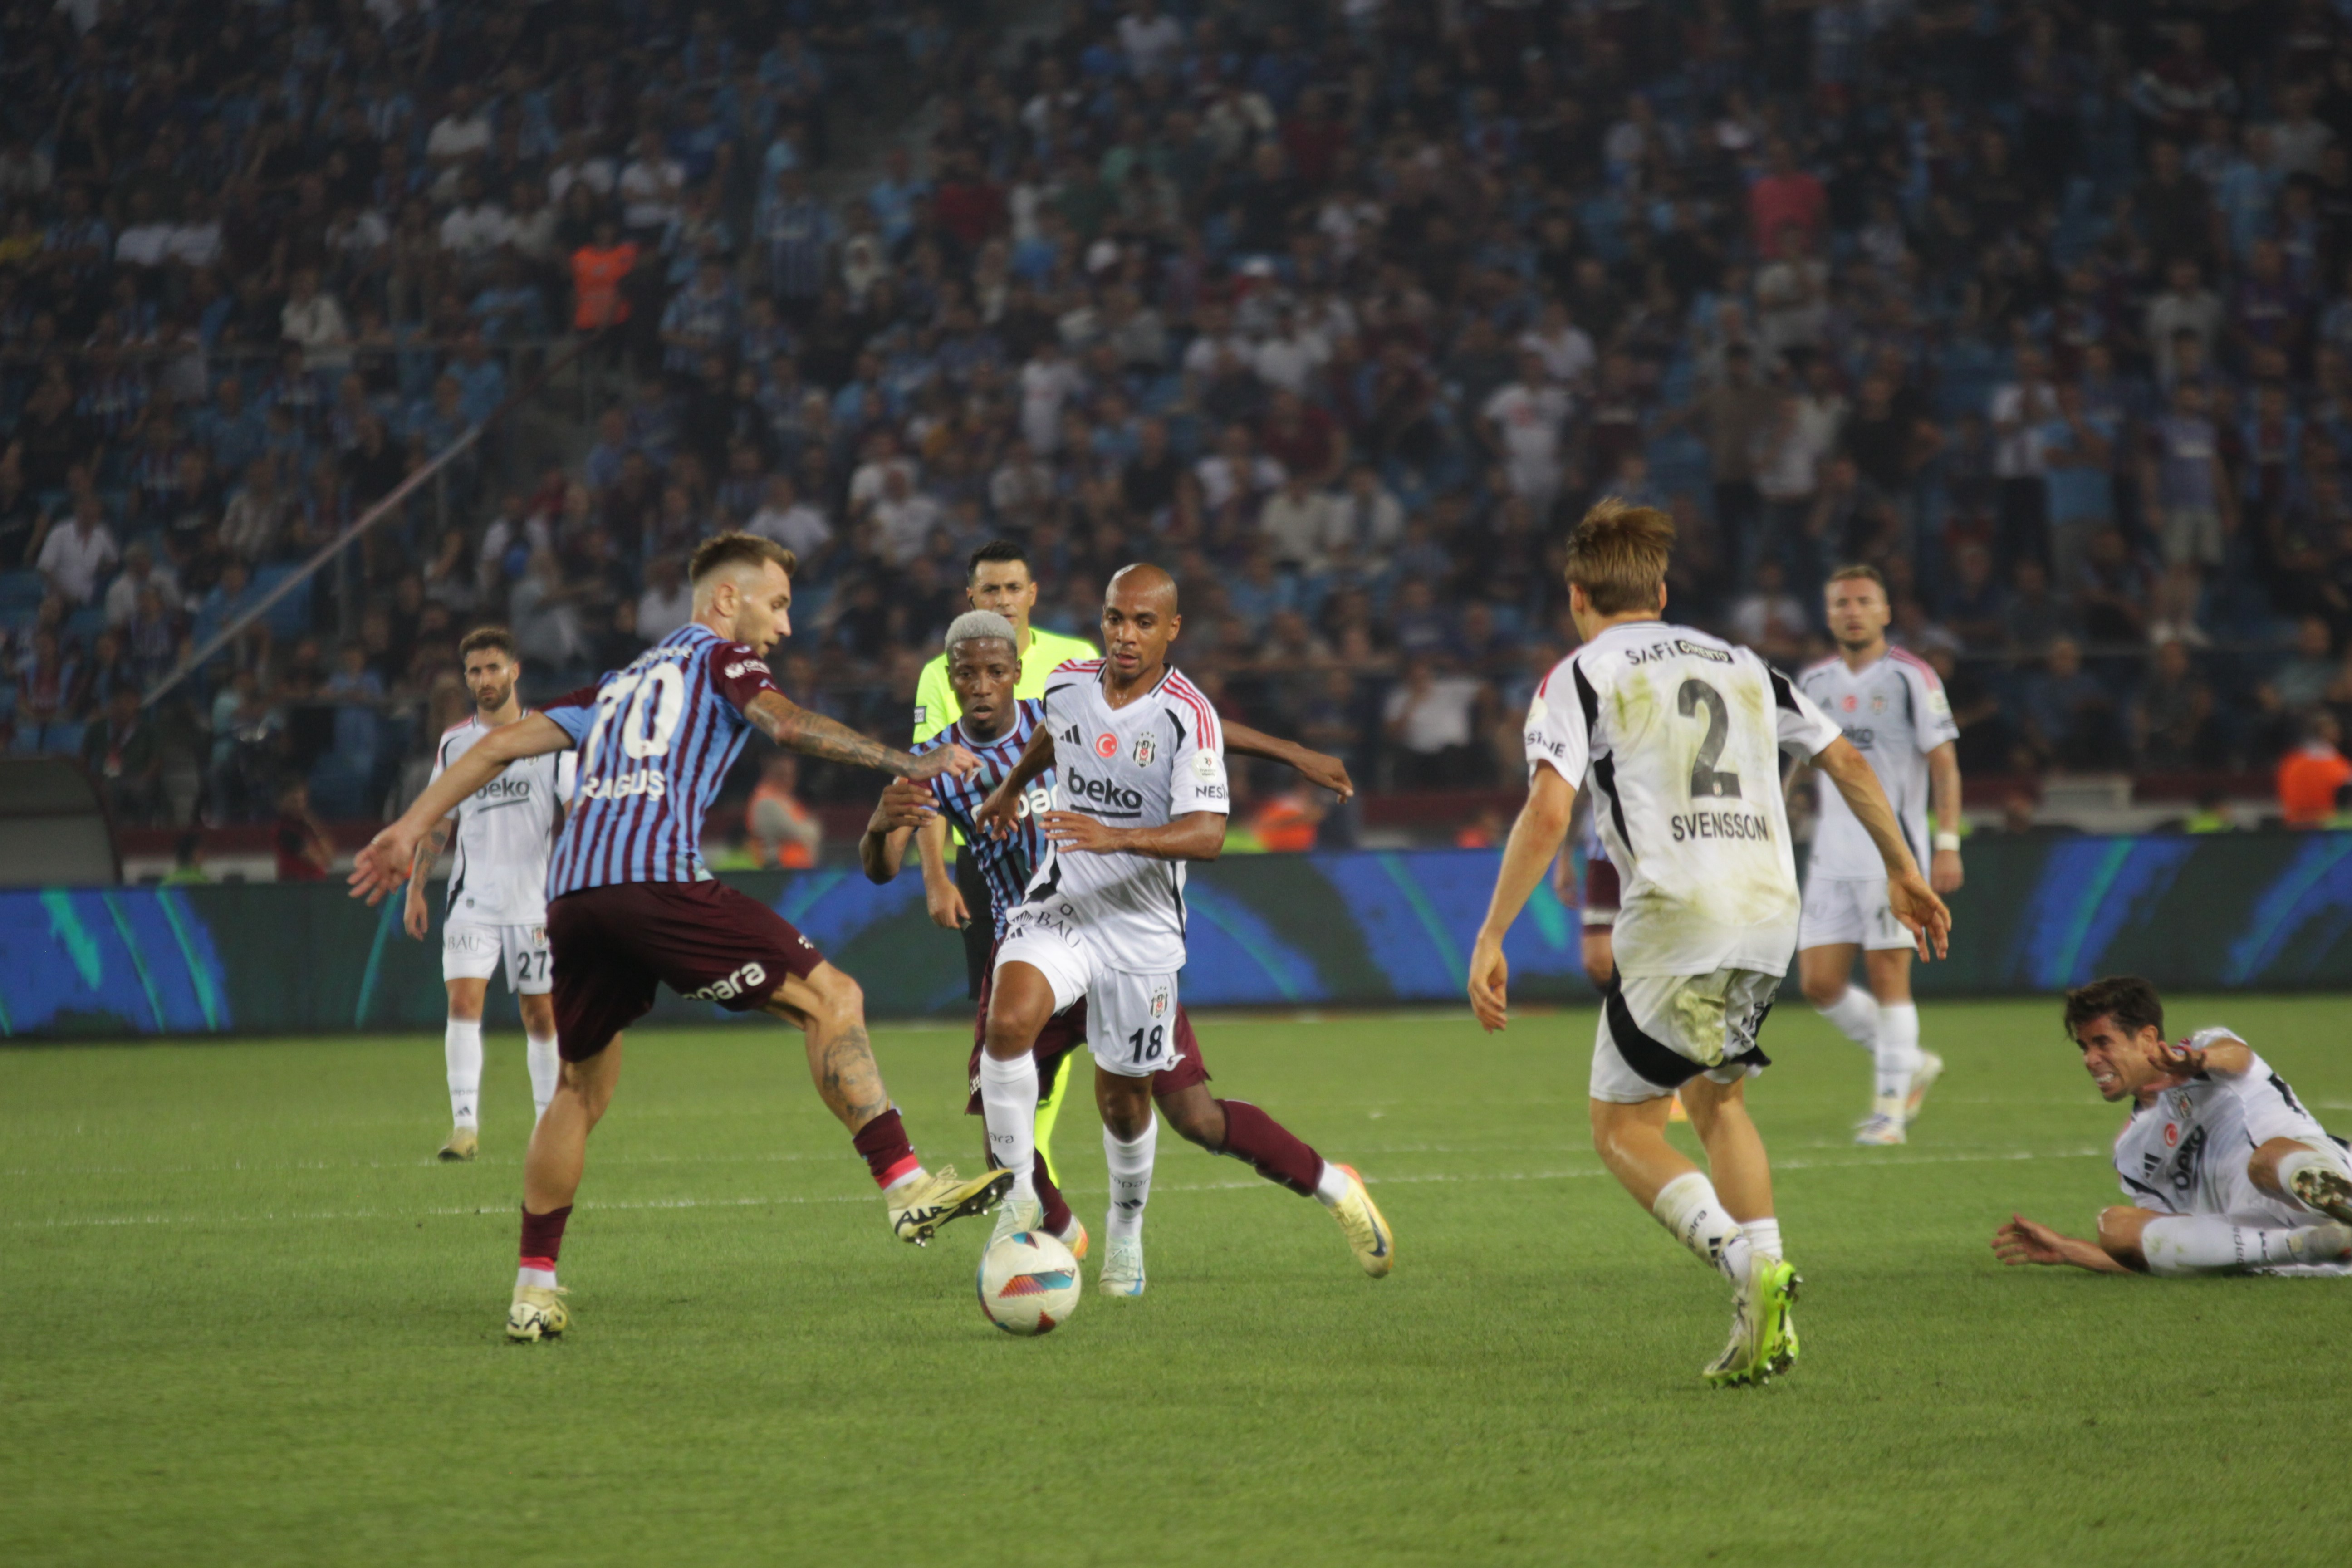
703,940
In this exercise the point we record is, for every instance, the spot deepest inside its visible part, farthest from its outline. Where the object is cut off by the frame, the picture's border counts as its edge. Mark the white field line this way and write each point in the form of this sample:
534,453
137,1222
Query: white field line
79,1222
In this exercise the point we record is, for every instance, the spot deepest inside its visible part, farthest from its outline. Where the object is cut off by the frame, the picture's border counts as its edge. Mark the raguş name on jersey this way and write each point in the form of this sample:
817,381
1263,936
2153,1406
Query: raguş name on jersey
644,781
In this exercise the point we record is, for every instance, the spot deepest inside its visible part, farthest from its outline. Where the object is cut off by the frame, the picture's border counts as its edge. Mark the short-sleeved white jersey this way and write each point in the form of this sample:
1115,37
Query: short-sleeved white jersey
504,832
1160,757
2185,1151
1895,712
1680,733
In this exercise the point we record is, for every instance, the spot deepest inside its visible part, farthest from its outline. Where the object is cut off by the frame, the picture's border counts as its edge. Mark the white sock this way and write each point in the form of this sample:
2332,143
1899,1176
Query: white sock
542,1278
1764,1235
546,1069
1898,1051
2181,1245
1688,1208
461,1046
2308,1158
1130,1179
1008,1100
1854,1014
1331,1185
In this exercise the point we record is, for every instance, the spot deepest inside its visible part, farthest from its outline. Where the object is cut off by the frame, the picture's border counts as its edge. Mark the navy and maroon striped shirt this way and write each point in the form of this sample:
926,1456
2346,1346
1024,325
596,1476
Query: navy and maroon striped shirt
655,741
1005,864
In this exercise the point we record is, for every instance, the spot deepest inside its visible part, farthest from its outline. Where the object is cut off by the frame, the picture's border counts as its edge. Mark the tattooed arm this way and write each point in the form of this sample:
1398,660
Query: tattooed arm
797,729
415,918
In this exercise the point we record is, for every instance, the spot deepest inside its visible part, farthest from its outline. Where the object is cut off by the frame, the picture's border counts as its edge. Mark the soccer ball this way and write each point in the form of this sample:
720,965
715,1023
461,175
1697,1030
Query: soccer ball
1028,1283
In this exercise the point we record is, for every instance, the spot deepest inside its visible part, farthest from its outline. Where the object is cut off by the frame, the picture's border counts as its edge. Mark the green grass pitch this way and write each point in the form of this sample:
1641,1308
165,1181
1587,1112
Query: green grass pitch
244,1320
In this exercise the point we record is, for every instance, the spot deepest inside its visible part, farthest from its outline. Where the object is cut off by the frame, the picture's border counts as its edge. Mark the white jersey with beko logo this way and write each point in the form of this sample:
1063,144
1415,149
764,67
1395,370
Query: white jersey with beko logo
504,832
1160,757
1680,733
1895,712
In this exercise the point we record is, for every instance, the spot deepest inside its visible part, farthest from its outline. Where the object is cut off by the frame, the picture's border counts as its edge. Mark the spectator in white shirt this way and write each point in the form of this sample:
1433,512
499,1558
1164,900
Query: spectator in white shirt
668,602
461,135
139,574
1048,382
1235,469
903,519
195,242
316,321
1150,40
1295,522
652,184
1289,357
146,240
475,227
1523,424
790,521
74,557
1567,351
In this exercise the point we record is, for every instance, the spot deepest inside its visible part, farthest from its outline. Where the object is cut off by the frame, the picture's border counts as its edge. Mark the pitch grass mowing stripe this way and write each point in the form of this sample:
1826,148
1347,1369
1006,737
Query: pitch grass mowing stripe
79,1221
779,1381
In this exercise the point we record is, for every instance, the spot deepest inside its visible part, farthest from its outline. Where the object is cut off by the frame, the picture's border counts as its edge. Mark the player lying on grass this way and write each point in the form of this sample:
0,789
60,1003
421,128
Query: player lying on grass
497,896
632,906
1679,733
985,670
1138,757
2227,1172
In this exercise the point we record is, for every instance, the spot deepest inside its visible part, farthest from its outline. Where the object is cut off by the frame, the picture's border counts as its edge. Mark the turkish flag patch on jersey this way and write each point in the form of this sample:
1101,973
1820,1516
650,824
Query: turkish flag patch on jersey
1105,746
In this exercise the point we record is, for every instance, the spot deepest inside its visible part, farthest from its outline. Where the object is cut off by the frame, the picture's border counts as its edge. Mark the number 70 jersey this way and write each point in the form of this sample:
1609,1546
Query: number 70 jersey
655,741
1678,735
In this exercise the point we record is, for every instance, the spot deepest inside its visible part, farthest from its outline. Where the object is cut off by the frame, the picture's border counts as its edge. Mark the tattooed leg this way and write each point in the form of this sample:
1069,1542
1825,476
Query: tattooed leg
831,1010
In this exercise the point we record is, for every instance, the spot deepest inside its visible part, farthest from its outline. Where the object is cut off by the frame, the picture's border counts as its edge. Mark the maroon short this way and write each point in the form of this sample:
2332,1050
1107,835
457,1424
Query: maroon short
703,940
1600,890
1067,1031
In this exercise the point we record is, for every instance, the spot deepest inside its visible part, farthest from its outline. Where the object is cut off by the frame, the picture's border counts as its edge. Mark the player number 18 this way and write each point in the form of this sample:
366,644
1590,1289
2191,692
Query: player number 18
1147,1050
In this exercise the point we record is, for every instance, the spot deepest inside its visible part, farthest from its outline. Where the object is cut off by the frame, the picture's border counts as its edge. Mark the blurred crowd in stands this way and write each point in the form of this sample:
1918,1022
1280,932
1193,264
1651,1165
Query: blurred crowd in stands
1341,309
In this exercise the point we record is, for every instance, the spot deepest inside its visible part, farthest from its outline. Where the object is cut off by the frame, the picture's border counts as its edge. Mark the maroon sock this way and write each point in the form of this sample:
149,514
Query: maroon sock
888,1155
1251,1134
1055,1213
542,1238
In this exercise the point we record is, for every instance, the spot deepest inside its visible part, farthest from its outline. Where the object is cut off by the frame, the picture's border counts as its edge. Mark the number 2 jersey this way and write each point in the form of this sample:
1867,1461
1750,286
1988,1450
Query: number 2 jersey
655,741
2185,1151
1680,735
1005,864
1160,757
1895,712
497,874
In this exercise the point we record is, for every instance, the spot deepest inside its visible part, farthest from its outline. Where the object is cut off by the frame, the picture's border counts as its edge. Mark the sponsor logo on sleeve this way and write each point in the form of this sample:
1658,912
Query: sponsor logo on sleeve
735,671
921,713
1205,765
1937,703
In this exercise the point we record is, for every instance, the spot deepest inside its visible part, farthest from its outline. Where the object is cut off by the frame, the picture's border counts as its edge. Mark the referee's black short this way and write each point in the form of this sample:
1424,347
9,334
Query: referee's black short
979,932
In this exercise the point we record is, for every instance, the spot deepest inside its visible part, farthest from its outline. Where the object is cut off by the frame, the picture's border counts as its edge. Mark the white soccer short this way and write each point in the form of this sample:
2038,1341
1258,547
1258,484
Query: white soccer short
1843,910
1130,1018
472,953
1659,1031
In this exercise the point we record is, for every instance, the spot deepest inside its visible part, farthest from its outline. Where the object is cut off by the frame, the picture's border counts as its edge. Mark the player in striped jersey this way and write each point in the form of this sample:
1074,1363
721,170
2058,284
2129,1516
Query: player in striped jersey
1137,755
633,905
997,725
